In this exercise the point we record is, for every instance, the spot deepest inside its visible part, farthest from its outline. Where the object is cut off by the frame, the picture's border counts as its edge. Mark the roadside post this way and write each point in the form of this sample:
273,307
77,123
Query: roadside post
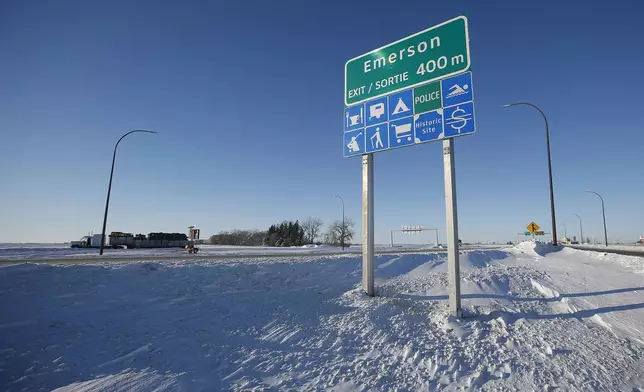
368,264
453,267
413,91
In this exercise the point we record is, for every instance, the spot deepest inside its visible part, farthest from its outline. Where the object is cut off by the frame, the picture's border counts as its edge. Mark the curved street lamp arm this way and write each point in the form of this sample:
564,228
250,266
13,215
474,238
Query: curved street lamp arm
134,131
600,196
532,105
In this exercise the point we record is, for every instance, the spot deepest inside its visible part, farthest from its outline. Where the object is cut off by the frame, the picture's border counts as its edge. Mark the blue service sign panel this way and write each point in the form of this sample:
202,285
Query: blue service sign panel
459,119
354,142
428,126
401,132
353,117
390,121
377,138
401,104
457,89
377,111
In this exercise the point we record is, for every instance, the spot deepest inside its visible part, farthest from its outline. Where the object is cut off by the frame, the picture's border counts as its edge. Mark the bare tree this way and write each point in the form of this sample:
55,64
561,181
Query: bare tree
340,234
311,228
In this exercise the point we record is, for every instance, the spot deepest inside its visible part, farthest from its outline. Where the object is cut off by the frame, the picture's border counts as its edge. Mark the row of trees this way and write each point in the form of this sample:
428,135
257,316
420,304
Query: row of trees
285,234
289,233
238,237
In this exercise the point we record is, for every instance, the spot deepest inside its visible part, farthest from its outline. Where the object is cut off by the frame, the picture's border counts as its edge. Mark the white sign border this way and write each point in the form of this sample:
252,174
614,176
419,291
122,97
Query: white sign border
467,49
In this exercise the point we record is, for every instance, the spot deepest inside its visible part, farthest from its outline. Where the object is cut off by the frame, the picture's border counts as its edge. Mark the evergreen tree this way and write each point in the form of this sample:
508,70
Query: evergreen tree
287,233
295,234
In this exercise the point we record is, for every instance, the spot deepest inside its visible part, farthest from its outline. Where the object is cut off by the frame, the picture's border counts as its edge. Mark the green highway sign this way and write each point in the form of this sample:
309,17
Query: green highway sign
527,233
435,53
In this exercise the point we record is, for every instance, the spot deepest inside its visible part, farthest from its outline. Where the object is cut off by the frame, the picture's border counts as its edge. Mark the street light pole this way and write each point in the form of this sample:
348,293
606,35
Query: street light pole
343,227
603,215
552,193
581,230
109,187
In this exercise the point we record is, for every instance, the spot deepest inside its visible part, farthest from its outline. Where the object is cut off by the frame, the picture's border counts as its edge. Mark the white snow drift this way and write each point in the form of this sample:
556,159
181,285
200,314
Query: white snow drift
536,319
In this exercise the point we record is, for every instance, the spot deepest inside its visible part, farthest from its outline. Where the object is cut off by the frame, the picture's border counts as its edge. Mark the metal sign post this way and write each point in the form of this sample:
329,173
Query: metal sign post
368,265
452,229
412,91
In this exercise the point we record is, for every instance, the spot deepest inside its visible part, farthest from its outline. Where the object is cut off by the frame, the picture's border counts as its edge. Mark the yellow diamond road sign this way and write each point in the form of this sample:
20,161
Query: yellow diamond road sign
533,227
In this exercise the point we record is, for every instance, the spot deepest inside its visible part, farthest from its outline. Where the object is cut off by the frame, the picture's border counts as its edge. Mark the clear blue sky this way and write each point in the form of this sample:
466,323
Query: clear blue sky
247,97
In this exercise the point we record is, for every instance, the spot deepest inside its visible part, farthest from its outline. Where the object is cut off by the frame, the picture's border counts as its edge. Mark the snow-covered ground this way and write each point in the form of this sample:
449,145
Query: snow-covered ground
536,320
63,251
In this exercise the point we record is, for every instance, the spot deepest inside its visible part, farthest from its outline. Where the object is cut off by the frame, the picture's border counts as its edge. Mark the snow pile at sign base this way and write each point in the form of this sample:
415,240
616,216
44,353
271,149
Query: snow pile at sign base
534,248
534,320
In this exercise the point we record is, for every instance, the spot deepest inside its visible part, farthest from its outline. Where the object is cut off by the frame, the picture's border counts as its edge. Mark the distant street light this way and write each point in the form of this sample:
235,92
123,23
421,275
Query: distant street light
342,231
109,187
552,193
581,230
603,215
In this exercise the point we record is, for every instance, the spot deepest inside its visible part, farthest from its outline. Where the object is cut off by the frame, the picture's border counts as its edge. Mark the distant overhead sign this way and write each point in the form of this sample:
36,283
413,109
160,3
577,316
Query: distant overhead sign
533,227
437,52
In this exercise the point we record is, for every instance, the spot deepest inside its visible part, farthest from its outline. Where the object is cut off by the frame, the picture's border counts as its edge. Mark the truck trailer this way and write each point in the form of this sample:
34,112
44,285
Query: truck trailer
121,240
90,241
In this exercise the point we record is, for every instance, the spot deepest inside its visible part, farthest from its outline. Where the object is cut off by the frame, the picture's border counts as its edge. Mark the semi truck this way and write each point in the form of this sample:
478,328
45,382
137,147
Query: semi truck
121,240
90,241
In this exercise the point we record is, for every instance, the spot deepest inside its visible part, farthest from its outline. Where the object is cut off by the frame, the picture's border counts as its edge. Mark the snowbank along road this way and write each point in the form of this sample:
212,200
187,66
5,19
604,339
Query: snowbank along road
12,253
536,320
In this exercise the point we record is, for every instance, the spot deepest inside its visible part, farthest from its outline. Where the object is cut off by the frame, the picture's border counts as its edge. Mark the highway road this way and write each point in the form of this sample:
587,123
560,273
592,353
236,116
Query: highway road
279,253
627,250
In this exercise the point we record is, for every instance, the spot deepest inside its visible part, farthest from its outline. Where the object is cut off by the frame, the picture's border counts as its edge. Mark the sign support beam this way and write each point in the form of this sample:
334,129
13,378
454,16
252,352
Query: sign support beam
452,229
368,265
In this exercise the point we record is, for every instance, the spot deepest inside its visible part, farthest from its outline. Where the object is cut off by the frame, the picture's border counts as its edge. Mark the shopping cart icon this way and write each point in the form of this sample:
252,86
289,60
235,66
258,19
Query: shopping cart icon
402,131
